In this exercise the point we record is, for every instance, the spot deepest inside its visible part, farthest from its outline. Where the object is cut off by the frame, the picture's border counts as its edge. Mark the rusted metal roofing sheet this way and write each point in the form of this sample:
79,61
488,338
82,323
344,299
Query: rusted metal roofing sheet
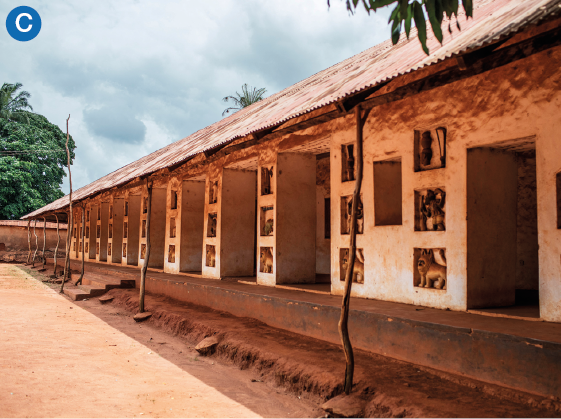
492,20
18,223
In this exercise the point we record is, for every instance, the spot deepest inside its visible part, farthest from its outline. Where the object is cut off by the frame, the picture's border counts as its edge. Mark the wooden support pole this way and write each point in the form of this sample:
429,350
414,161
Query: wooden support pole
147,258
57,244
70,222
36,243
83,244
28,242
344,320
44,240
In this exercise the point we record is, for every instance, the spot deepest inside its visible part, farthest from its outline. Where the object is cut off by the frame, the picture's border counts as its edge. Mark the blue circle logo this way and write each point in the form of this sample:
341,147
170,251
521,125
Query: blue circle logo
23,23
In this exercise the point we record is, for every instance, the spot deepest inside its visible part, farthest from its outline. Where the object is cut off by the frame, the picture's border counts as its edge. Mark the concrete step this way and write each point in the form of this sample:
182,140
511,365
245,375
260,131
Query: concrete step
92,291
107,283
76,294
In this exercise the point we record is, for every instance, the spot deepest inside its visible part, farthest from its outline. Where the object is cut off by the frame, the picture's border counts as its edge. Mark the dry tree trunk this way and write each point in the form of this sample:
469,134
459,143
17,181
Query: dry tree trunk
44,239
70,223
83,244
28,242
57,243
147,258
344,320
36,243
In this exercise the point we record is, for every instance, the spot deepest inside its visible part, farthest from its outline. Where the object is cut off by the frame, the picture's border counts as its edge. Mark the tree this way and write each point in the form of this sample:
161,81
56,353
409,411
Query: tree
249,96
32,161
406,10
12,106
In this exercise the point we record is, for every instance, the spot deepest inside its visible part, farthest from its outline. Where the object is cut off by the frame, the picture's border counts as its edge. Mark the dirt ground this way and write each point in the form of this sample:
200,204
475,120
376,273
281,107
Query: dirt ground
94,360
60,360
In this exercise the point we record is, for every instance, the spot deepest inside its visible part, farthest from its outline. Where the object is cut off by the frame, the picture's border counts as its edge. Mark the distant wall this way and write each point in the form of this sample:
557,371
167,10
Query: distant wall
14,238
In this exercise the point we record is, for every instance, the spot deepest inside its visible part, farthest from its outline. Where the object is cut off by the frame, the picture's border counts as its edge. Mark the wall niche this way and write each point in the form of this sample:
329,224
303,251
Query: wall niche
266,180
213,192
266,260
346,211
430,268
171,253
80,247
267,220
110,212
126,214
358,271
98,231
347,162
97,248
211,225
430,149
173,200
109,249
87,232
172,228
110,231
124,250
558,191
143,228
87,248
125,230
210,256
143,251
430,210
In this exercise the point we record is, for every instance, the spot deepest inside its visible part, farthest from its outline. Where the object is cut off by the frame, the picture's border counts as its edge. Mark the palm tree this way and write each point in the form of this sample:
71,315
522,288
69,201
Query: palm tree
12,106
249,96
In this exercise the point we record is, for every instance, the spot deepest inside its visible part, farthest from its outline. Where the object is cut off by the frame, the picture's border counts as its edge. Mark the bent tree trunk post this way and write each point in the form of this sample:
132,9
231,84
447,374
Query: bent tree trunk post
28,242
44,239
57,243
82,228
36,243
145,265
344,320
70,223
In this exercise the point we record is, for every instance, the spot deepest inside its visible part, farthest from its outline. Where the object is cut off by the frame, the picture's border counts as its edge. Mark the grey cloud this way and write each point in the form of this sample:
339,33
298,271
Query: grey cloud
116,124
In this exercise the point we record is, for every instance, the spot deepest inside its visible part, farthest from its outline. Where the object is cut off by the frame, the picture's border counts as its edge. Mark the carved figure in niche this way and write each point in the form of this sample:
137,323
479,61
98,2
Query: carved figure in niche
124,250
359,216
431,271
110,231
87,247
171,254
87,232
144,205
266,260
109,249
213,193
142,251
266,175
210,256
432,205
126,208
97,248
426,145
98,231
211,225
268,229
110,212
80,248
348,161
358,271
125,230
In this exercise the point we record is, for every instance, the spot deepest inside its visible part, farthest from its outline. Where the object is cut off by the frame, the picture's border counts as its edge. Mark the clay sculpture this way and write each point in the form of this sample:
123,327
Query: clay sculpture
431,271
266,260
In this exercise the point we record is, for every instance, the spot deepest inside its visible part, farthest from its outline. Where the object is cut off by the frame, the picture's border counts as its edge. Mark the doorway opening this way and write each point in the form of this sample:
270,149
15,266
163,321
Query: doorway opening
502,240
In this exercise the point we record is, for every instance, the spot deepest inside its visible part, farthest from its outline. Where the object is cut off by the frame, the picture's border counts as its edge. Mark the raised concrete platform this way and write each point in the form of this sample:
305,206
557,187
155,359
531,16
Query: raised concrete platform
515,353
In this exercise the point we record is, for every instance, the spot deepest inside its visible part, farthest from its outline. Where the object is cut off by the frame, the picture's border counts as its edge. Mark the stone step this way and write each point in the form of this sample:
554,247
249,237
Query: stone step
76,294
108,283
92,291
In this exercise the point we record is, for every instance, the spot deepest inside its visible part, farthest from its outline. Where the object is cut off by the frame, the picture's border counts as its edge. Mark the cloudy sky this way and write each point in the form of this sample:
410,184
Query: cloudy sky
136,75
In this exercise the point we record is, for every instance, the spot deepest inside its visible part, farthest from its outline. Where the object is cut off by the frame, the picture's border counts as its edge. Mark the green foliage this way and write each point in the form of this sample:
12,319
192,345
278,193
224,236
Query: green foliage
13,106
32,158
407,10
249,96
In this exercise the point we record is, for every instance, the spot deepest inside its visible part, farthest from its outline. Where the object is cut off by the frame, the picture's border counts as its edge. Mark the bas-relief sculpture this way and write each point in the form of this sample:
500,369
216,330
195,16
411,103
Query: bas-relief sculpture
266,176
172,228
143,251
358,271
109,249
432,273
347,163
267,221
125,230
171,254
213,192
97,248
210,256
211,227
124,250
430,144
110,231
347,209
266,260
87,247
431,210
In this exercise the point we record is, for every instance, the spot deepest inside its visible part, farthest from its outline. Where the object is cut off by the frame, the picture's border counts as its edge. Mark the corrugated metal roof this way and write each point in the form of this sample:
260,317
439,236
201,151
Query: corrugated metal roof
492,20
18,223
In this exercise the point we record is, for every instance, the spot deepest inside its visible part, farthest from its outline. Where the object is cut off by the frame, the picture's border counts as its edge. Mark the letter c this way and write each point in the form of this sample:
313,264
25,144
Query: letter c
27,15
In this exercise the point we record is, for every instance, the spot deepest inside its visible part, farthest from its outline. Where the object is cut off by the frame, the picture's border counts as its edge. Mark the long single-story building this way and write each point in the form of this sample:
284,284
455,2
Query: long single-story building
461,190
